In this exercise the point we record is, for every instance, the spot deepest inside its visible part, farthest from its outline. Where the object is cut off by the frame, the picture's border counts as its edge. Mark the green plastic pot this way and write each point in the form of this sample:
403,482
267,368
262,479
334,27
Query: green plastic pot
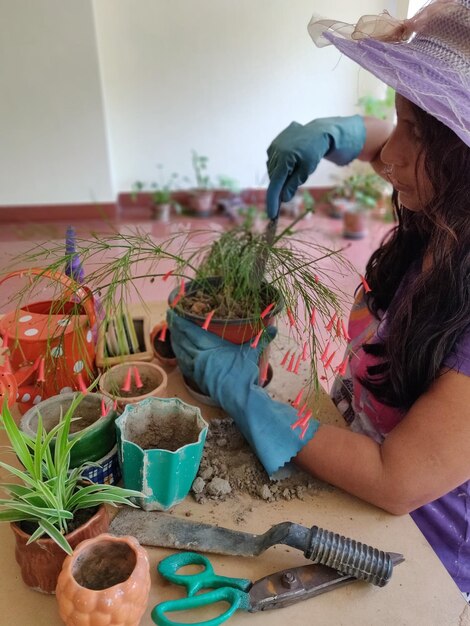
99,437
160,445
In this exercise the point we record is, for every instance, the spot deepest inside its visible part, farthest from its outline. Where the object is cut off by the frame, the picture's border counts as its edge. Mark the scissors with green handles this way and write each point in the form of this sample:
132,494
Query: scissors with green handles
275,591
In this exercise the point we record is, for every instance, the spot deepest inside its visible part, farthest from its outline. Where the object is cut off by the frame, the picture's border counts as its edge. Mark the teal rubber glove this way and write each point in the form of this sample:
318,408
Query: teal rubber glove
298,149
229,374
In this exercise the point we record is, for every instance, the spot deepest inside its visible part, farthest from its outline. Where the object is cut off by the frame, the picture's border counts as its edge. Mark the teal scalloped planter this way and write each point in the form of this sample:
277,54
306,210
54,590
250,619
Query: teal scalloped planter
160,444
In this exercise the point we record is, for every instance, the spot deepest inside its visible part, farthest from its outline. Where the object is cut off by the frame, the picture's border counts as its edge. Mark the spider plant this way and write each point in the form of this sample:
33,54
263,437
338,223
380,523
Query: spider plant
299,272
50,492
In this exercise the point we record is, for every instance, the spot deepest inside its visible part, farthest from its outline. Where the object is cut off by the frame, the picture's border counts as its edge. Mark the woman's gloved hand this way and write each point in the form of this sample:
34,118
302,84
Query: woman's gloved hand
297,150
229,374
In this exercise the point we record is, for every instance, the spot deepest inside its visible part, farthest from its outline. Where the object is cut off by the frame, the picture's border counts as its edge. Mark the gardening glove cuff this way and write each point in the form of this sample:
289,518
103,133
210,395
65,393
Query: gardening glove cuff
296,151
229,374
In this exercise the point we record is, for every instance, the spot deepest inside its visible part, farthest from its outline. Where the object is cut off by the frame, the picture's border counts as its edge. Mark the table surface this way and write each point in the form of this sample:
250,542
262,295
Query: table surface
420,592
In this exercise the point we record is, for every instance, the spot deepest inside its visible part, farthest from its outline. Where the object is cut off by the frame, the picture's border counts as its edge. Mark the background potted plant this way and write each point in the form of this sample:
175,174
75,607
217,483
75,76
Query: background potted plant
160,193
355,196
201,197
50,508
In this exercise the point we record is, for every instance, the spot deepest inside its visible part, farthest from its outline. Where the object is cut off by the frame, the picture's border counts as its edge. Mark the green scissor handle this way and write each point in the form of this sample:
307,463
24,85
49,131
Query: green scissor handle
231,590
236,598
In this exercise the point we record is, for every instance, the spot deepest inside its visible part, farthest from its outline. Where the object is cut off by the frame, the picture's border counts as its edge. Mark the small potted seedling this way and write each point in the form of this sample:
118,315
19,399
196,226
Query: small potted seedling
131,382
201,197
160,194
51,509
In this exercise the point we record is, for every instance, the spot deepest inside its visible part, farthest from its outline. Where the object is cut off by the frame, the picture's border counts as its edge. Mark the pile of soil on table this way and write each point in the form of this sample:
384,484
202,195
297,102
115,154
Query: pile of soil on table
229,467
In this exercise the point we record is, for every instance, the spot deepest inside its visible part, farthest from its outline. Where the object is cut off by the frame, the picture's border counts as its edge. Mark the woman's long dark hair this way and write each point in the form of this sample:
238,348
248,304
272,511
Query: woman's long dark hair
433,307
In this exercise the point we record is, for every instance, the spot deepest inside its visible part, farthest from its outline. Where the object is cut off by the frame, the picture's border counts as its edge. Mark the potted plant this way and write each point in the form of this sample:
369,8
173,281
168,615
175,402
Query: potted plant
105,581
353,197
245,281
131,382
160,193
51,509
202,196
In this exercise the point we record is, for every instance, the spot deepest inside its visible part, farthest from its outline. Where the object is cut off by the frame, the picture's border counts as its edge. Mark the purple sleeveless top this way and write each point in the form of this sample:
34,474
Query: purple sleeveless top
445,522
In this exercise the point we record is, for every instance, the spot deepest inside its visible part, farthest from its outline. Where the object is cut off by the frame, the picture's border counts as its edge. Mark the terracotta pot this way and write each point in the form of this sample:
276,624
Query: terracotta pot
41,561
236,331
201,202
98,433
153,377
354,224
161,212
162,349
105,581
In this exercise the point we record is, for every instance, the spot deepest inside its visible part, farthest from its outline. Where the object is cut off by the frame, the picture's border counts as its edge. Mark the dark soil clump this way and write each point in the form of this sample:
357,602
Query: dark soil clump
170,434
104,565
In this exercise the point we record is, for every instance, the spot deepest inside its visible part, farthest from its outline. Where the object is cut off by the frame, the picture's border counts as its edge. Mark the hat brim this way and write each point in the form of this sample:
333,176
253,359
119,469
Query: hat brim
426,81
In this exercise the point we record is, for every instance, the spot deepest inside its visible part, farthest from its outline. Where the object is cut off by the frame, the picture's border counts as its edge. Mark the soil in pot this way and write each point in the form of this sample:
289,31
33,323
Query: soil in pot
87,413
202,302
106,565
80,518
148,385
166,433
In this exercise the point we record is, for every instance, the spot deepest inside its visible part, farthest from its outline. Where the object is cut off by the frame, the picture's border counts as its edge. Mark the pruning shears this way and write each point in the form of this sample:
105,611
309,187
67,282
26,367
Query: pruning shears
271,592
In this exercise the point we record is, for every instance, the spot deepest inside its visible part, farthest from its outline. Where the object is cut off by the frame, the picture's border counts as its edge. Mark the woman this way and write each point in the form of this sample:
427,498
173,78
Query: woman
406,394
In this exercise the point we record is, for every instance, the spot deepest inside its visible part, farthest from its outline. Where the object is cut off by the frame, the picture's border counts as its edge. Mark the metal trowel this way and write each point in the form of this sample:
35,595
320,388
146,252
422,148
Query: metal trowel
320,546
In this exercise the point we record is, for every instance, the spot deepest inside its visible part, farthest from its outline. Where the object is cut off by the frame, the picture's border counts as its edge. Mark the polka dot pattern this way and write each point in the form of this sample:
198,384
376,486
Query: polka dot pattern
25,318
78,367
31,332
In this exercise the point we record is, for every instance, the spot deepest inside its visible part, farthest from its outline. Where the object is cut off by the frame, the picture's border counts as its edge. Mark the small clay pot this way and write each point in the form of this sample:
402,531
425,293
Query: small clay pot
201,202
105,581
162,350
41,561
153,377
354,224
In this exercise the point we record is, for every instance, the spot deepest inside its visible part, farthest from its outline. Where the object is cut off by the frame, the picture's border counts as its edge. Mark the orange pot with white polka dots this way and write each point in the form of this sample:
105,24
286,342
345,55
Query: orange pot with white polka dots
51,344
105,581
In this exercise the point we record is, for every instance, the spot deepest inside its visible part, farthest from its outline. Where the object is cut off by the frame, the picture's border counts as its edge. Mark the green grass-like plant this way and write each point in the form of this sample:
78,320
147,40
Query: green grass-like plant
50,492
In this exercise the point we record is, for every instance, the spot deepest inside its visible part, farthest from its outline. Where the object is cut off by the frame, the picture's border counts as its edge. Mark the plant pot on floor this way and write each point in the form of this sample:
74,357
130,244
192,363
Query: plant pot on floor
108,351
152,377
160,449
355,224
161,212
200,202
237,330
160,339
105,581
41,561
99,433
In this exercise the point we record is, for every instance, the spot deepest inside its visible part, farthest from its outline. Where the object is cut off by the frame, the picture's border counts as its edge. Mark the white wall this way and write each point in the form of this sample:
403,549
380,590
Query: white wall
220,76
53,145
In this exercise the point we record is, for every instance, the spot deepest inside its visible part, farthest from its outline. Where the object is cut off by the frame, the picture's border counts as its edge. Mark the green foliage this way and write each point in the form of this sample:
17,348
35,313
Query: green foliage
378,107
199,163
308,201
50,492
160,190
364,188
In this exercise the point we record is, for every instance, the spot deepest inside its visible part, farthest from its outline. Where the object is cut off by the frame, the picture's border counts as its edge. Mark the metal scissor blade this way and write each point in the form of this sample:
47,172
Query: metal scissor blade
299,583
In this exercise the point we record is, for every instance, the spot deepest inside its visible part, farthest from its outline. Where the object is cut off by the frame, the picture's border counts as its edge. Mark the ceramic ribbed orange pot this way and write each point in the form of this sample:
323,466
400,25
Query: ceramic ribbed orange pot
105,581
41,561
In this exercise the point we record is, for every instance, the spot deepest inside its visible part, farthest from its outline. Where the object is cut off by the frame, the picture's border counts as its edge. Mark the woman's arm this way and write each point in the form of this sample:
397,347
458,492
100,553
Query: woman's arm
377,134
423,458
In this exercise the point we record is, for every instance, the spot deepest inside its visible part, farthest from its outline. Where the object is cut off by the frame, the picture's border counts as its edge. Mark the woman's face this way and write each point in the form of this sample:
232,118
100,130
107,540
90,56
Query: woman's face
403,157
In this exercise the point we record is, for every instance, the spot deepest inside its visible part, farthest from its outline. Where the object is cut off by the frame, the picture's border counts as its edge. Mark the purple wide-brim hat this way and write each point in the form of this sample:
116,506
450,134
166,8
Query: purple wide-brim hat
425,59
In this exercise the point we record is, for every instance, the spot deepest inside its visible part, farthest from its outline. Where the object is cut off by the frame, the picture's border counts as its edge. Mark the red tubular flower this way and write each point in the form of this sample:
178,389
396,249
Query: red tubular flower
343,366
167,275
328,363
291,363
297,364
298,398
138,380
285,357
264,373
162,333
324,354
255,342
330,324
41,374
81,384
305,352
365,284
267,310
207,321
127,381
103,408
312,316
345,331
291,317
